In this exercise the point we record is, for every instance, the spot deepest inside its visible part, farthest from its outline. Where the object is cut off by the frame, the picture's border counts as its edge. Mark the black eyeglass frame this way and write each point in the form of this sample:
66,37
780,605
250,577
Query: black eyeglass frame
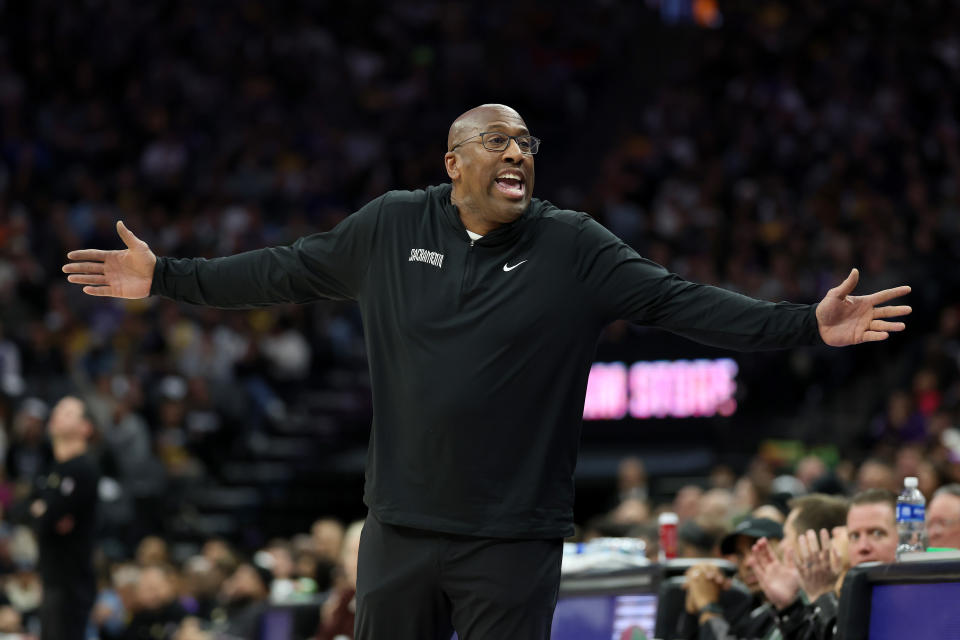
534,142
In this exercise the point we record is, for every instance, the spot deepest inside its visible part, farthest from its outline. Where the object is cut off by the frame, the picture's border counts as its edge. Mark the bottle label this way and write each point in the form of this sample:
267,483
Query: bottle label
910,513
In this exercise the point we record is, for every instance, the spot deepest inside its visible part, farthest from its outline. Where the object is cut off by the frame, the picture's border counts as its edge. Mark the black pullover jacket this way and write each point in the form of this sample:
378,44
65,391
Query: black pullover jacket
479,351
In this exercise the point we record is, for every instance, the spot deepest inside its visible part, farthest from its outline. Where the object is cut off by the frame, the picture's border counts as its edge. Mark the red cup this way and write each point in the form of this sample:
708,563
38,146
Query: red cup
668,535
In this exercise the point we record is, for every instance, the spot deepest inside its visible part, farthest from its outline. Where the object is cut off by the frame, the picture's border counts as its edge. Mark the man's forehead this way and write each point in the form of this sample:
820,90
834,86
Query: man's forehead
499,123
946,500
484,118
870,514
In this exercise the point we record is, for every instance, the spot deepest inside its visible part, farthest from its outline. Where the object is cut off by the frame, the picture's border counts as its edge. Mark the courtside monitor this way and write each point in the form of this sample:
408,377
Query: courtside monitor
609,606
919,599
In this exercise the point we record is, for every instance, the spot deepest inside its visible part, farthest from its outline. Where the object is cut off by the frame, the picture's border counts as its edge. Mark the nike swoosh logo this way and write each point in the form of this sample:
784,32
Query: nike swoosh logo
506,268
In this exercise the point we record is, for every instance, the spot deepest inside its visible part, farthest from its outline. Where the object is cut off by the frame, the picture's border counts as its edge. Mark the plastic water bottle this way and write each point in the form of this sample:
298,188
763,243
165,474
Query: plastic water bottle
910,518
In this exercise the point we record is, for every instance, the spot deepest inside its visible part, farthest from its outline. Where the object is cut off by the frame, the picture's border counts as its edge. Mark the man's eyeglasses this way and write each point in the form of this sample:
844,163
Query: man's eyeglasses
497,141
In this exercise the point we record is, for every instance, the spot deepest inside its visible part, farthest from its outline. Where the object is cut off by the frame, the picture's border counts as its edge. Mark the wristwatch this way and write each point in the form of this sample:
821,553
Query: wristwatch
711,607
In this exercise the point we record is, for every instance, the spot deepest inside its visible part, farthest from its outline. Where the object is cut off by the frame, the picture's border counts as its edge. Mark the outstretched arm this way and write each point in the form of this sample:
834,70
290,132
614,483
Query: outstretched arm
844,319
126,273
329,265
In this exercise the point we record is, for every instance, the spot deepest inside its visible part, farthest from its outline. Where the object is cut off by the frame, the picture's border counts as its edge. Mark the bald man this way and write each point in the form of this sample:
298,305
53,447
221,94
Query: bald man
63,508
482,307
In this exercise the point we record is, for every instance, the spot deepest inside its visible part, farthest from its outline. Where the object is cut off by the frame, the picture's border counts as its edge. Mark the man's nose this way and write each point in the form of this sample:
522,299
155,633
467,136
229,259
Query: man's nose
512,153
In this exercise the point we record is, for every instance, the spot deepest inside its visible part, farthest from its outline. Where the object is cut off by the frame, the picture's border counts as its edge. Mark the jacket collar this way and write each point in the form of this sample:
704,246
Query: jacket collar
504,234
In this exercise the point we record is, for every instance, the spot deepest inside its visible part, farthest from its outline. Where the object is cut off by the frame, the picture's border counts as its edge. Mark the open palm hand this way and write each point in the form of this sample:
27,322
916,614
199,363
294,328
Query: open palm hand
844,319
125,273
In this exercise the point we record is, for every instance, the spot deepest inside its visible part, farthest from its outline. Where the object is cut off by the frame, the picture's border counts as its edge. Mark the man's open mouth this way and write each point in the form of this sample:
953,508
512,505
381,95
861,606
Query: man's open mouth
511,184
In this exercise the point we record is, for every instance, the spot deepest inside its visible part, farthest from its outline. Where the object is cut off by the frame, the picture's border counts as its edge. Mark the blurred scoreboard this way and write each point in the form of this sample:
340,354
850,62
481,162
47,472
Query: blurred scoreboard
661,389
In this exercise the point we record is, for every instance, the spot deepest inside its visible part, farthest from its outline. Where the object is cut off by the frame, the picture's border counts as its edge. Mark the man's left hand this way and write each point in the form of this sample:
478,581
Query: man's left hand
816,564
844,319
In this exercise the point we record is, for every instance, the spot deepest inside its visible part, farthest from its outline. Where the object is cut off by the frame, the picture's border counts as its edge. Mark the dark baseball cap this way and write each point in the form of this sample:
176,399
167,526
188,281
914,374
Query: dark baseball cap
755,528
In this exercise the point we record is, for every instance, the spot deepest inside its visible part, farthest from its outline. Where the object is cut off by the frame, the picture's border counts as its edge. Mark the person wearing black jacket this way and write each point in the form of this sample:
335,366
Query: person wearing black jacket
63,509
482,307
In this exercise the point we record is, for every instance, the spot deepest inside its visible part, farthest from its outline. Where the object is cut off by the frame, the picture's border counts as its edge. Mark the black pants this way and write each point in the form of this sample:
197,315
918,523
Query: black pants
421,585
64,613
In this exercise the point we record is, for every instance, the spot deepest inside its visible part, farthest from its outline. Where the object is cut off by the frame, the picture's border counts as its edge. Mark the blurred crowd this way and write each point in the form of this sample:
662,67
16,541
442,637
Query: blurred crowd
200,591
768,155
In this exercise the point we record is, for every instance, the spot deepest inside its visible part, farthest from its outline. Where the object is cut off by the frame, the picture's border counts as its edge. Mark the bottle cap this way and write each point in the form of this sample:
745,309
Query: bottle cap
667,517
910,482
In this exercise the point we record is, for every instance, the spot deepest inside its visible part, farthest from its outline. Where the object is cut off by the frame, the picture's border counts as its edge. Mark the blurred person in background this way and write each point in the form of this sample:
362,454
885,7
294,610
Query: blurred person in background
28,453
23,589
10,621
686,504
876,474
199,586
943,517
809,470
152,552
717,505
327,534
115,599
243,598
63,510
746,616
383,256
220,553
699,538
769,511
157,612
338,612
631,479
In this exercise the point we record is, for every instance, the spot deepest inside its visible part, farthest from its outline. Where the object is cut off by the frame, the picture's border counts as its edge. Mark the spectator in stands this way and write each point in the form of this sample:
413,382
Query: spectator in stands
244,597
699,538
158,612
110,610
777,572
872,527
63,512
278,558
327,534
745,617
152,552
686,504
810,469
943,517
631,479
812,513
771,512
876,474
819,561
28,454
199,587
717,505
339,610
10,621
220,553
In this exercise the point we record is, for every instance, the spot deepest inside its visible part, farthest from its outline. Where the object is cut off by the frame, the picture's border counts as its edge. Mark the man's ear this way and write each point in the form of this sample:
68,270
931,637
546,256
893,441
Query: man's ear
452,165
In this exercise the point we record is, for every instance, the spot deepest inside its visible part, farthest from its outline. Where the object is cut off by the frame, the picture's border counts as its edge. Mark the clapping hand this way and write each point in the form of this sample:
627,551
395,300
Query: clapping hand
819,561
778,578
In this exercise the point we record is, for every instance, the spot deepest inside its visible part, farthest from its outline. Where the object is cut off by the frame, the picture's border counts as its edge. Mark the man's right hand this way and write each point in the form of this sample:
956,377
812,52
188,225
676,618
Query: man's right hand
127,273
778,578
